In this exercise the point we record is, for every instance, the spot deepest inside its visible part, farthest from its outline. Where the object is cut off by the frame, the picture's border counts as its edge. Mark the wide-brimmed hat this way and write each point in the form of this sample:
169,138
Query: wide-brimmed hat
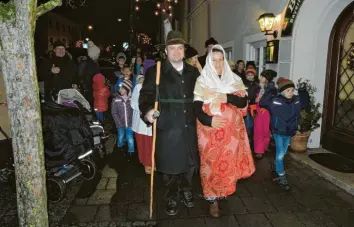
175,37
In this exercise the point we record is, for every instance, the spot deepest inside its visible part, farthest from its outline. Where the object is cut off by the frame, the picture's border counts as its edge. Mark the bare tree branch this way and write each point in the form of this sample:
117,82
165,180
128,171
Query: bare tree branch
75,3
48,6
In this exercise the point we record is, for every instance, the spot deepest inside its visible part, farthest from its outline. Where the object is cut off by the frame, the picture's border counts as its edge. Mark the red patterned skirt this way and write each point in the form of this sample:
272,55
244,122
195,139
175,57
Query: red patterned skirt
225,154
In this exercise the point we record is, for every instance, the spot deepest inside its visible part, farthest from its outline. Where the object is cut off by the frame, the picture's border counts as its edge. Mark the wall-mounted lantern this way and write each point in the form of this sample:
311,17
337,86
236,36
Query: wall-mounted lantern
266,22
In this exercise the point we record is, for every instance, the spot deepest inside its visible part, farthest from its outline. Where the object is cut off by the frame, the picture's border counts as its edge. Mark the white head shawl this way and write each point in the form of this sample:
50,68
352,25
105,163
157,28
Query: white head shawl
210,88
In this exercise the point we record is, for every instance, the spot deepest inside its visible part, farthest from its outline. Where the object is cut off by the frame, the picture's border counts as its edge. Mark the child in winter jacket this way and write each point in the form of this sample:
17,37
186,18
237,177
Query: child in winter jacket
252,86
126,75
100,94
285,113
122,113
262,133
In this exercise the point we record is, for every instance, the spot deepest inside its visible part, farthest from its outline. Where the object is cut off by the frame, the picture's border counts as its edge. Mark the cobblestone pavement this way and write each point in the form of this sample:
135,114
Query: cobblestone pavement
119,196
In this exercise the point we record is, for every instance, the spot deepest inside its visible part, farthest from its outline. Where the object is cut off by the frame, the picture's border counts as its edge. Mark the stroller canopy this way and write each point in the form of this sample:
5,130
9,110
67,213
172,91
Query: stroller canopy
71,95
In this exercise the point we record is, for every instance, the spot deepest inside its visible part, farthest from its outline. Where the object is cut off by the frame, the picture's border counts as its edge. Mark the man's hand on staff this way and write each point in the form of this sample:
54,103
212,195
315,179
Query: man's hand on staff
150,117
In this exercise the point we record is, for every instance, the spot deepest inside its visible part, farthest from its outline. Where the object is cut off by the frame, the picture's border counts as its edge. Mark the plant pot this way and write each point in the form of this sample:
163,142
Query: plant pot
298,143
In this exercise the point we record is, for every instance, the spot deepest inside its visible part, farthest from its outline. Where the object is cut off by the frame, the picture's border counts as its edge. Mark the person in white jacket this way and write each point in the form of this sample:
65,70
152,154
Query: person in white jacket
143,133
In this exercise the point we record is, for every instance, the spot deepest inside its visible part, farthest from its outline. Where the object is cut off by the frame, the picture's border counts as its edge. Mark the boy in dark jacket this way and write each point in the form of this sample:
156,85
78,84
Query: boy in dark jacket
285,113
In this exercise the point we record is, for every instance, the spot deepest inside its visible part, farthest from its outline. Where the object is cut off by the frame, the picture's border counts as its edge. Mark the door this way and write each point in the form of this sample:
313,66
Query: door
338,119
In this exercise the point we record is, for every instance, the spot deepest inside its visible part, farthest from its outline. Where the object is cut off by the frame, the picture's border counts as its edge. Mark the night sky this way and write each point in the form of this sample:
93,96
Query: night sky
103,15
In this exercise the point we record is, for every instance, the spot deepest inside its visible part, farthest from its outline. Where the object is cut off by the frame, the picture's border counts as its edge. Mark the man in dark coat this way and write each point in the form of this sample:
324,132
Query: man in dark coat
58,72
176,145
208,45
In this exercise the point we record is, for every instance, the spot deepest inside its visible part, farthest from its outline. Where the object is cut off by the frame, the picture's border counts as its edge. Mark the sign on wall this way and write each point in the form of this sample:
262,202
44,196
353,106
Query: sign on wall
290,16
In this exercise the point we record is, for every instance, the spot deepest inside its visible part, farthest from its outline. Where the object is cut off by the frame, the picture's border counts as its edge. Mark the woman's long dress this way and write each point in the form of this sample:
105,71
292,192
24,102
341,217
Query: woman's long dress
225,154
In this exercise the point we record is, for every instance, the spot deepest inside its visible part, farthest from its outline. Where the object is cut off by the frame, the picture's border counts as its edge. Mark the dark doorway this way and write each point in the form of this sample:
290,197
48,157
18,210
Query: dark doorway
338,120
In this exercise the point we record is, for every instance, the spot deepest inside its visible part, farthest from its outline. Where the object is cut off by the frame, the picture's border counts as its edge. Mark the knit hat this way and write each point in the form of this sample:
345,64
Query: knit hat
285,84
210,41
269,74
127,85
121,55
250,64
93,51
191,52
58,43
251,70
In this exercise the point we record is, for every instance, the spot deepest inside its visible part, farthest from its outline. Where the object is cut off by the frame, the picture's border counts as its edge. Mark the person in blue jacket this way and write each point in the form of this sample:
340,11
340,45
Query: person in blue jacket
284,108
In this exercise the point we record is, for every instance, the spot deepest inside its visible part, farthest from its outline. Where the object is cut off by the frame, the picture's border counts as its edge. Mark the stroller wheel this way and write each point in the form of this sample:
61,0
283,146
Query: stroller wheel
88,169
56,189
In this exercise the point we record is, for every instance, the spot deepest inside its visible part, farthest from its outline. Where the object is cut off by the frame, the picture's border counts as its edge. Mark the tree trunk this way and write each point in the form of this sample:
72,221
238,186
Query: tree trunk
17,60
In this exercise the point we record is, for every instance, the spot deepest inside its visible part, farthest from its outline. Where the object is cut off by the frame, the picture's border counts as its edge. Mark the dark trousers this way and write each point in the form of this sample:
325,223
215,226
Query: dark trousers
176,183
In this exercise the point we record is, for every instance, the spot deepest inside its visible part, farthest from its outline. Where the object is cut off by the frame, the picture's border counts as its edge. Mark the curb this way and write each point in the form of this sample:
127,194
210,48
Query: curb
320,172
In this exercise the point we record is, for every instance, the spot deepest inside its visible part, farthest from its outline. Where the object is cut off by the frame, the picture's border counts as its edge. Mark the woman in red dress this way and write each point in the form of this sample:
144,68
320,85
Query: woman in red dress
224,149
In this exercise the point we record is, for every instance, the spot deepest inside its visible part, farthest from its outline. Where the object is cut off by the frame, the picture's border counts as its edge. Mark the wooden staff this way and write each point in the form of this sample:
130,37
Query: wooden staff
156,106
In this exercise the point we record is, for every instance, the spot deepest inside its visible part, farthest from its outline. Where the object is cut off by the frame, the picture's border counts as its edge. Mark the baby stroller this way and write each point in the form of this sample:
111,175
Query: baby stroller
73,98
68,148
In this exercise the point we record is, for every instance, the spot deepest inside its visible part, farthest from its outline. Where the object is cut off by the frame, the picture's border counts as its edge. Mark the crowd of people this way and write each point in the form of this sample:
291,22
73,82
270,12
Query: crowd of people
214,118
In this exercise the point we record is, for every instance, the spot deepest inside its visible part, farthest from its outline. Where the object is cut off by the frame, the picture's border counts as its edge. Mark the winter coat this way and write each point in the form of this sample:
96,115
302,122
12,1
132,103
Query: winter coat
252,90
285,113
100,93
176,143
87,69
122,111
63,80
202,60
116,87
147,64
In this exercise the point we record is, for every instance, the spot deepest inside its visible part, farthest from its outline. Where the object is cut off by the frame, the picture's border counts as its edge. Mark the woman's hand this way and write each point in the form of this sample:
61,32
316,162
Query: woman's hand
218,122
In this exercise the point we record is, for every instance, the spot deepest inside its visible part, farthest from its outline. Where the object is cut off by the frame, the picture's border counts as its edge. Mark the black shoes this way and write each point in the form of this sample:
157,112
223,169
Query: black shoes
171,207
283,182
187,198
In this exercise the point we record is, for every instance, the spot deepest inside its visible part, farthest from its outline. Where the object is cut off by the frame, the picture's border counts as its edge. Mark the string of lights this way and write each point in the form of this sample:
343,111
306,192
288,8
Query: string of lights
162,7
144,39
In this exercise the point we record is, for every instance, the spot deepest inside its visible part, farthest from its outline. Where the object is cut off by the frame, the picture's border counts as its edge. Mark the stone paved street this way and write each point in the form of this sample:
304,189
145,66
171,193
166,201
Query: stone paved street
120,197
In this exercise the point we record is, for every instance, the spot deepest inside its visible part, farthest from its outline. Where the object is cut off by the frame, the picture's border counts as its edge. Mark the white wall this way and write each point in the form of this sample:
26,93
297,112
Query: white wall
304,55
237,19
199,24
310,45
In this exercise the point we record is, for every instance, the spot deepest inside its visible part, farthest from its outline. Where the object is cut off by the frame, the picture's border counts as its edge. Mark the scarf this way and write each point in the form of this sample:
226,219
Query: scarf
212,89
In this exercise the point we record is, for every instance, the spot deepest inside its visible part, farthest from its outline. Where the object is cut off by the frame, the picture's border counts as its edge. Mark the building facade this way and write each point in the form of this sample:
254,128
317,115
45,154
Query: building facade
317,47
52,27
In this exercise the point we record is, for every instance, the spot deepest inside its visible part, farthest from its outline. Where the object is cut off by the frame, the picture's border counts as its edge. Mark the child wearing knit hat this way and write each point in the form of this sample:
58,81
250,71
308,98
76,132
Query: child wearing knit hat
285,113
122,113
250,81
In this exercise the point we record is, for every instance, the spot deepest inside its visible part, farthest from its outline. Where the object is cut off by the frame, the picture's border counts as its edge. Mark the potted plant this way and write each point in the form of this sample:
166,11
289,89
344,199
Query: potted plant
309,117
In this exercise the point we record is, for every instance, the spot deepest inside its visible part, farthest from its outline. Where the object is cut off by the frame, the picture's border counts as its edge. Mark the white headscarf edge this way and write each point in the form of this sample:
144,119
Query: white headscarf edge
209,78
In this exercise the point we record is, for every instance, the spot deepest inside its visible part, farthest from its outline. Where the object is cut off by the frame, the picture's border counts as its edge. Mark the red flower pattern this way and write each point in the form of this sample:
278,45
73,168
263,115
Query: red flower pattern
225,154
